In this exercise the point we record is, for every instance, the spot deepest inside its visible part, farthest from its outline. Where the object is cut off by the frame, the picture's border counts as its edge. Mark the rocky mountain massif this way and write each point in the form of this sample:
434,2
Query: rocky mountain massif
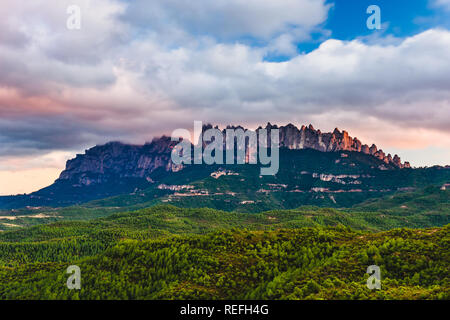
312,164
115,160
306,137
101,163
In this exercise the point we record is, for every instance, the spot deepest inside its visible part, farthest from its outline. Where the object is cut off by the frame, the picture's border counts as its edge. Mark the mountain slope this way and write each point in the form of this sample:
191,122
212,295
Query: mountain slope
306,177
423,208
164,220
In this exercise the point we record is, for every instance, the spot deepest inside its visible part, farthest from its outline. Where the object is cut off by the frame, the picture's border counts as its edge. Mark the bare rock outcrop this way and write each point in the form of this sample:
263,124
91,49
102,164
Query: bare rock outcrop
306,137
116,160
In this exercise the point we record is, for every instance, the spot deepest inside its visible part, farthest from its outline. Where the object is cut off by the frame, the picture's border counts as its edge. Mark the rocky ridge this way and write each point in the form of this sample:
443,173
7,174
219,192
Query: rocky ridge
306,137
115,159
118,160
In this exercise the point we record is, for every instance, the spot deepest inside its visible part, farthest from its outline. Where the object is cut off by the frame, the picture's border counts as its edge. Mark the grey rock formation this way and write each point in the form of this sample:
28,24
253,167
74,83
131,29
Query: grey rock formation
307,137
304,137
116,160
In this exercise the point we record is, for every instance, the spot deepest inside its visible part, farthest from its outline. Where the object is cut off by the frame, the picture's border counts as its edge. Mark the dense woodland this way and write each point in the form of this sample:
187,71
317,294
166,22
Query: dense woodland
166,252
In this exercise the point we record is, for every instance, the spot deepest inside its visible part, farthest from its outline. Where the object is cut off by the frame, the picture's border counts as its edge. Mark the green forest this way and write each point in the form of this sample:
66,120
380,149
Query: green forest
165,252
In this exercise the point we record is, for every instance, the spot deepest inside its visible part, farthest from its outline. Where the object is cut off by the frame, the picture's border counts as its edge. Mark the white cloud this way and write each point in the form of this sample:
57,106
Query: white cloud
113,80
441,3
228,18
407,82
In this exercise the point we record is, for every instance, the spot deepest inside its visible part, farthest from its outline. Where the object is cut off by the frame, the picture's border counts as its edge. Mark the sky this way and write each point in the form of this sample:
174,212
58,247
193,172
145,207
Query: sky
138,69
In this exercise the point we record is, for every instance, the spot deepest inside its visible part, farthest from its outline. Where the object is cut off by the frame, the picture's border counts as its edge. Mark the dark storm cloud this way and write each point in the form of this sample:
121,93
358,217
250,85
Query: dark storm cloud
35,135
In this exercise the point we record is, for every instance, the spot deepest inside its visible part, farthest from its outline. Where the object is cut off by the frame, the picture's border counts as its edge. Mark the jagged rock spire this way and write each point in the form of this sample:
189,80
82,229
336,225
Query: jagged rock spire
309,138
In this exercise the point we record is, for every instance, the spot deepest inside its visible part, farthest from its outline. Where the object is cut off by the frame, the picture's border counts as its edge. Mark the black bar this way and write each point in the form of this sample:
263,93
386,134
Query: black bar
226,309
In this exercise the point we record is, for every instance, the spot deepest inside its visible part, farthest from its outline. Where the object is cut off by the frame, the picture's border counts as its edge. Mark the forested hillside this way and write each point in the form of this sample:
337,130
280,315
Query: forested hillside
167,252
306,263
421,208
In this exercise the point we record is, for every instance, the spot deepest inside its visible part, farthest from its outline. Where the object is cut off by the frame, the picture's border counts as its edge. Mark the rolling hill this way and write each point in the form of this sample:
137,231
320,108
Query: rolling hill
307,263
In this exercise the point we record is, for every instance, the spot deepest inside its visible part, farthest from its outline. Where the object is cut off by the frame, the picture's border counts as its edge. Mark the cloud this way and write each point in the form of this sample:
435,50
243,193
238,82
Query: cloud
441,3
143,68
407,82
227,19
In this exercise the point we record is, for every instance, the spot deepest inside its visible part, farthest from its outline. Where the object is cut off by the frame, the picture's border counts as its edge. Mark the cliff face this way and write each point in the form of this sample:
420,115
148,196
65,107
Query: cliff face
295,138
116,160
308,138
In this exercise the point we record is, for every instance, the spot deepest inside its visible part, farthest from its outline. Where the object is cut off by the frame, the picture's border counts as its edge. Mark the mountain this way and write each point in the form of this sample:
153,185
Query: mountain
102,171
306,137
292,137
317,168
102,164
116,160
306,177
